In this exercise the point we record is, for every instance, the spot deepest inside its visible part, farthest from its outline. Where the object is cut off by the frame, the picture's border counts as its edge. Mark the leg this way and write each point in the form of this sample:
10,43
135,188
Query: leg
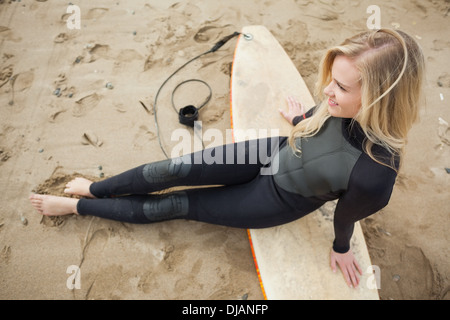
247,160
137,208
224,165
257,204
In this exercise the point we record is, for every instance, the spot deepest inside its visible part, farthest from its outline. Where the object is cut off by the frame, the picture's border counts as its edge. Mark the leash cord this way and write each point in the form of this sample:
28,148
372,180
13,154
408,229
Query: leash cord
216,47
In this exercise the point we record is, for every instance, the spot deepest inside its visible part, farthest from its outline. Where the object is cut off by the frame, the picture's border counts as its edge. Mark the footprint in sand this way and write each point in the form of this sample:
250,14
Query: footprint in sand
187,9
440,44
5,254
127,55
18,83
92,53
148,282
61,87
24,81
4,155
99,51
91,138
226,68
418,276
5,74
12,140
123,58
151,60
143,137
444,80
7,34
96,13
85,104
60,38
215,112
206,34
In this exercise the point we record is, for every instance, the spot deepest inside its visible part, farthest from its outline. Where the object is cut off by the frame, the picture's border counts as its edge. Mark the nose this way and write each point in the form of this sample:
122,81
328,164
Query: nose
328,90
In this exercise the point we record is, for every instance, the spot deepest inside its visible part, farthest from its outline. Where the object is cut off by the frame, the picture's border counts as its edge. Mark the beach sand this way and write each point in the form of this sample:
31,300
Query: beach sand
59,118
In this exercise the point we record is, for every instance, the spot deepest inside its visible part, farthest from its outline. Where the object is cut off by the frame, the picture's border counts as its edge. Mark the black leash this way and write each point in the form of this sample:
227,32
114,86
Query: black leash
189,114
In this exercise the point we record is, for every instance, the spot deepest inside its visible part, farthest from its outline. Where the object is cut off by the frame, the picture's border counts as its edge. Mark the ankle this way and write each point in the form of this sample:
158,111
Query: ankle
74,206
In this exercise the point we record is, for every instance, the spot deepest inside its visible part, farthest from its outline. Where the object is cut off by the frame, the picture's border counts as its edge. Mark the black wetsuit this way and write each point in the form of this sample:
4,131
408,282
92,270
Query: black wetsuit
275,187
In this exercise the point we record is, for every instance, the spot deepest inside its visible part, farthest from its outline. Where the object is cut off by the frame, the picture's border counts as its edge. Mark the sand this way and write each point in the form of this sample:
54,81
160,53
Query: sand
59,118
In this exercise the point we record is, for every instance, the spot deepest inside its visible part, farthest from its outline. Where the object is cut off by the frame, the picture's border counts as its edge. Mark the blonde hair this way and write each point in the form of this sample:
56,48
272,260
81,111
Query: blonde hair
392,66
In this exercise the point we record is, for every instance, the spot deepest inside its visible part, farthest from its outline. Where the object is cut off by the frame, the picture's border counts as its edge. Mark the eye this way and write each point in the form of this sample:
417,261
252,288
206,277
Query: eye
340,87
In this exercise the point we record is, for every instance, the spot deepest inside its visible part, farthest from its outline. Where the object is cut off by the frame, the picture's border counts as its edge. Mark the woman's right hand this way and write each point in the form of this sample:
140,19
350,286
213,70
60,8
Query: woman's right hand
295,109
348,265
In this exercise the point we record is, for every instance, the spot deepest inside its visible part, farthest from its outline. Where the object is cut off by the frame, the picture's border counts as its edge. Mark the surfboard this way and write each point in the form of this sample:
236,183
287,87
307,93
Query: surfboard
292,260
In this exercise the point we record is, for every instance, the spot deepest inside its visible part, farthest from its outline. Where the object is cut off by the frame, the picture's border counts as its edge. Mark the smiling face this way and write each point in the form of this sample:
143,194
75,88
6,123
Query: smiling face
344,90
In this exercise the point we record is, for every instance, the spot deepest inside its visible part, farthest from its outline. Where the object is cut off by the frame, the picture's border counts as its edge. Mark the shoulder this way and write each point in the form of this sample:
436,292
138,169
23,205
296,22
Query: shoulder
354,134
371,177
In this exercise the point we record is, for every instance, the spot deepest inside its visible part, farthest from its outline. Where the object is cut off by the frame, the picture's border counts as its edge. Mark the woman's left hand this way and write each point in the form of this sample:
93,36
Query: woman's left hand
348,265
295,108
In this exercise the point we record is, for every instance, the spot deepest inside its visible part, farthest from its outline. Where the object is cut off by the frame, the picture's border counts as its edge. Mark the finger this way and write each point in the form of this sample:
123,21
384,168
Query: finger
358,267
354,277
292,101
350,277
333,264
332,260
298,106
289,100
290,104
302,108
347,277
284,114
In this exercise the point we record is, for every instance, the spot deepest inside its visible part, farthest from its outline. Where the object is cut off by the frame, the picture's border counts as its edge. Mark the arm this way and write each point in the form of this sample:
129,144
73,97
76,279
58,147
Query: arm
369,190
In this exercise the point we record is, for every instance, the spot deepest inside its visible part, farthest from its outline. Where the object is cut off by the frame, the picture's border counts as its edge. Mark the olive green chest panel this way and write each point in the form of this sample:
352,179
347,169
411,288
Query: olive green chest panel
323,166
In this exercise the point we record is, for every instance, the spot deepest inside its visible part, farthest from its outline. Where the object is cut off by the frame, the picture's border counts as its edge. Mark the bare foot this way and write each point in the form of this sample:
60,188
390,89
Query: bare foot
79,187
54,206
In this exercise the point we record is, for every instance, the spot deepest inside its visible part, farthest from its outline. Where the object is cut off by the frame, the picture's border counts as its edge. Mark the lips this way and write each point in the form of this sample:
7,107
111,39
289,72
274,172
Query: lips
332,103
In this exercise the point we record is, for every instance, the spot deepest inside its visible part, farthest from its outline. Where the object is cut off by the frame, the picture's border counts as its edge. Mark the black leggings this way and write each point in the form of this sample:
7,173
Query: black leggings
240,190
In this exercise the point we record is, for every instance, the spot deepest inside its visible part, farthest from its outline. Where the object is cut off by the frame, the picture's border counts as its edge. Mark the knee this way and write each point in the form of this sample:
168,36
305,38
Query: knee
167,170
166,207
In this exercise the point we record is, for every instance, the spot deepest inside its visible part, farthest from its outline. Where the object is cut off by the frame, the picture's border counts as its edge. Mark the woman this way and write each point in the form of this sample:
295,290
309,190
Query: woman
349,147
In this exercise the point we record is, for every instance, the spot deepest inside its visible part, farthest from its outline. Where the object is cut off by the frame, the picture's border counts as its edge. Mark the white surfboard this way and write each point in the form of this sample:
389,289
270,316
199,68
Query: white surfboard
292,260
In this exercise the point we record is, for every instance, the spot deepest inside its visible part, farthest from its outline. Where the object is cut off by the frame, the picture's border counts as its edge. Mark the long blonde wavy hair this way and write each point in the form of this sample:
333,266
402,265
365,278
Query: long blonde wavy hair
392,67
